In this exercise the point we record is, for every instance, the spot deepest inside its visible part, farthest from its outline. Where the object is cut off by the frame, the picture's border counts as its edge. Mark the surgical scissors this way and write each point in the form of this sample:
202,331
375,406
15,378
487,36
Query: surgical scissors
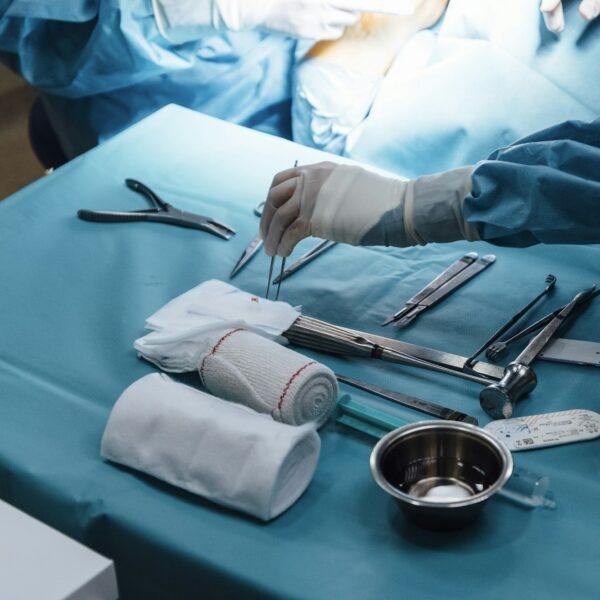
319,249
161,213
252,248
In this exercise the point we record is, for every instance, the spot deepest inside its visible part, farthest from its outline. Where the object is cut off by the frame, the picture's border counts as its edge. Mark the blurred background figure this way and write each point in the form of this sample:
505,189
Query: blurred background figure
102,65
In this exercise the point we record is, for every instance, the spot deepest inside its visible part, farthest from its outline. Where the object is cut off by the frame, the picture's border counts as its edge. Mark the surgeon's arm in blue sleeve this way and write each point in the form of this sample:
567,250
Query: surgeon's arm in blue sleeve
77,48
543,189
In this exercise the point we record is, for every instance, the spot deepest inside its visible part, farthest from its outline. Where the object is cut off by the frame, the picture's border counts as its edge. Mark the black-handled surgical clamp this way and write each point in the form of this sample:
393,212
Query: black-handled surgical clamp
162,212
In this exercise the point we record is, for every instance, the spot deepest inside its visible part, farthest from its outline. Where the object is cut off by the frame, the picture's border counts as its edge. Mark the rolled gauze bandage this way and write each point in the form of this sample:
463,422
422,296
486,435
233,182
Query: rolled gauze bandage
244,367
222,451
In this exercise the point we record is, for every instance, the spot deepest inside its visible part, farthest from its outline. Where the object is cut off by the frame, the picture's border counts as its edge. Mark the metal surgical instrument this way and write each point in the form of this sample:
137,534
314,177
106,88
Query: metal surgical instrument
498,400
498,349
429,408
526,488
574,352
252,248
319,249
162,213
446,289
283,259
280,278
550,284
454,269
324,337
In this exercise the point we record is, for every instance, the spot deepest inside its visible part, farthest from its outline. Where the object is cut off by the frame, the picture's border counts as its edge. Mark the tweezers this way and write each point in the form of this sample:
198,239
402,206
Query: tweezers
162,213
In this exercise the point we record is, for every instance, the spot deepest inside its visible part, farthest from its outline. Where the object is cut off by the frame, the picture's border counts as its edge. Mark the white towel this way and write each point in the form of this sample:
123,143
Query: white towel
215,302
222,451
247,368
183,328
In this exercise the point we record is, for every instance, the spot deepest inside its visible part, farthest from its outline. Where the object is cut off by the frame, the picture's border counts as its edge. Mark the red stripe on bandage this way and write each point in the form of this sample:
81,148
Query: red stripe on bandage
290,381
216,347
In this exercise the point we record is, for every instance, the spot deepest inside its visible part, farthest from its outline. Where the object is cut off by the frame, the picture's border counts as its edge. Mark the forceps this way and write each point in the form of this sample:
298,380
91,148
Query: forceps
161,213
252,248
280,278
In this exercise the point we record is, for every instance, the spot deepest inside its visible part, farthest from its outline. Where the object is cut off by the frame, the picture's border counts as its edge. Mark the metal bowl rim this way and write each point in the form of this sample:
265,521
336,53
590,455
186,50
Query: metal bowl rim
392,436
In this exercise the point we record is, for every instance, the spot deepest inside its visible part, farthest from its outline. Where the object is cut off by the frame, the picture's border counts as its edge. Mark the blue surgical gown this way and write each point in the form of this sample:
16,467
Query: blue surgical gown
491,75
545,188
102,65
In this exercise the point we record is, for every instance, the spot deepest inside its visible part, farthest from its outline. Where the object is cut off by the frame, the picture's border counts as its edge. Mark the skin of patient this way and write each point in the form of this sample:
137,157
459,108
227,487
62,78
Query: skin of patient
372,44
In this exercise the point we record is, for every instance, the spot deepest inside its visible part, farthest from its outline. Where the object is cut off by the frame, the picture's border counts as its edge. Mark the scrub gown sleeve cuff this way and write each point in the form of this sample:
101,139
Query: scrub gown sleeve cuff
433,208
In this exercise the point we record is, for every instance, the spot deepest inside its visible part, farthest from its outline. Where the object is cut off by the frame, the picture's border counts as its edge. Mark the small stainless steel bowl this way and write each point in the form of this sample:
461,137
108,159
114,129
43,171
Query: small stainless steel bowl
441,472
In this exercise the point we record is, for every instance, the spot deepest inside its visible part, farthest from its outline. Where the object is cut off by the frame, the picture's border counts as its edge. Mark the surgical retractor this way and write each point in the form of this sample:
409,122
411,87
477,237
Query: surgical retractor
498,400
498,349
550,284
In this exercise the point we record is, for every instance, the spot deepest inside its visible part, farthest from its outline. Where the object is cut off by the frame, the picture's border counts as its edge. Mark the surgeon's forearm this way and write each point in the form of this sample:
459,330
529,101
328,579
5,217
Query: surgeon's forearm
365,209
433,208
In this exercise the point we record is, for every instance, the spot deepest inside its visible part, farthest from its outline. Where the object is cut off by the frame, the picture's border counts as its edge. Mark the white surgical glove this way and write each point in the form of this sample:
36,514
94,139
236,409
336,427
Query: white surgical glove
351,205
185,20
552,10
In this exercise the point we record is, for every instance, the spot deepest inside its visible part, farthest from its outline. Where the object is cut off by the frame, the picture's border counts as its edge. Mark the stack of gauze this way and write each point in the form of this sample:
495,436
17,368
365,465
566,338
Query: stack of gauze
224,452
251,444
228,336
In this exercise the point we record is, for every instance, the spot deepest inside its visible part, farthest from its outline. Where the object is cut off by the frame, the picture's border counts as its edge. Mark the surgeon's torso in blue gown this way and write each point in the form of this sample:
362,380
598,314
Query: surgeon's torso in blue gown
102,65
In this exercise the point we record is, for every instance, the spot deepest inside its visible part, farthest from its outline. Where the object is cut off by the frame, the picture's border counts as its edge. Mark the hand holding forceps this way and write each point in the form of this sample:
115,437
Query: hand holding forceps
161,213
256,244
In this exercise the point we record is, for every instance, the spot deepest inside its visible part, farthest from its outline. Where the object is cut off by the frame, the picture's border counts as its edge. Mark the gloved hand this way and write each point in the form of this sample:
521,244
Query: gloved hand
311,19
351,205
320,19
552,10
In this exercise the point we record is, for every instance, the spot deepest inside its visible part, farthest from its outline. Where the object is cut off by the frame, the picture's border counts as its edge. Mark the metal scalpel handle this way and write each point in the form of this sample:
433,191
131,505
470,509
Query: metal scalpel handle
429,408
454,269
448,288
499,399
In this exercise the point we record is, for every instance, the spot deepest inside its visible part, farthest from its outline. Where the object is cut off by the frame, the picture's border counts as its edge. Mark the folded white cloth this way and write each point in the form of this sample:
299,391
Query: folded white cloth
247,368
222,451
184,328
